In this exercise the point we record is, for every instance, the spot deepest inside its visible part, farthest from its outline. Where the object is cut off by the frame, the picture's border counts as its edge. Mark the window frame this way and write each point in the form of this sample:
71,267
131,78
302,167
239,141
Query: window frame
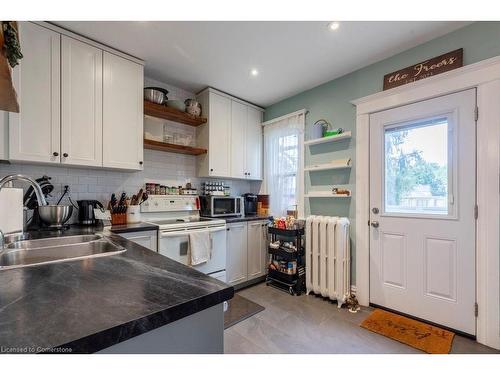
451,118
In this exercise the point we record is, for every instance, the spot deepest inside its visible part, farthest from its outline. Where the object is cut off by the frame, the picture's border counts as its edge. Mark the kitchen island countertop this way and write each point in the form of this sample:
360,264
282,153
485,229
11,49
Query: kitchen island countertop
84,306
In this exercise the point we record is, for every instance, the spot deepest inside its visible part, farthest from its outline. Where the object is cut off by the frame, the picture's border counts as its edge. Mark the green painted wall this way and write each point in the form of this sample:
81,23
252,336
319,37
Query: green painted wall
331,101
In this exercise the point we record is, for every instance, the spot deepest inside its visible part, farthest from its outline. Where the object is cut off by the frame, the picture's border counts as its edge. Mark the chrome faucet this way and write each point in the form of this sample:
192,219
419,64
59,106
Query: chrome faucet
2,240
38,190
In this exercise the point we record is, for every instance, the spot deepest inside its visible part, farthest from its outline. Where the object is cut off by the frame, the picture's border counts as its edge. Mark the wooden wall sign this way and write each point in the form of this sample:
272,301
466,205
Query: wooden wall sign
424,69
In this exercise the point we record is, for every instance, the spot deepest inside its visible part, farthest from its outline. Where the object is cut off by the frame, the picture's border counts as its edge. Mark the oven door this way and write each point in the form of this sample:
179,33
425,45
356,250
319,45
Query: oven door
175,245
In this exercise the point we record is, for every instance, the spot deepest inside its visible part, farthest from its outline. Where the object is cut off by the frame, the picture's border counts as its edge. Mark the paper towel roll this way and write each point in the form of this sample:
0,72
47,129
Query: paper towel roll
11,210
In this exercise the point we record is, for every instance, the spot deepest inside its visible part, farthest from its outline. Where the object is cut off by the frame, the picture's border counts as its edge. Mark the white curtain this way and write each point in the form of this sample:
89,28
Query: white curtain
284,163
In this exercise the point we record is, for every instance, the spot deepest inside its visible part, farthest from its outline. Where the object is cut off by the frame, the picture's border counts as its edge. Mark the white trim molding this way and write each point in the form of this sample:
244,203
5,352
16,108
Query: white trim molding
485,77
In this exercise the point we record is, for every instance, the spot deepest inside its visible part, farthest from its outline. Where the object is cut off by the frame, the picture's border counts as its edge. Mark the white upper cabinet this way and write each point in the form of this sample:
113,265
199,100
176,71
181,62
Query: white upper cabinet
122,113
215,136
253,147
34,132
232,135
238,139
81,103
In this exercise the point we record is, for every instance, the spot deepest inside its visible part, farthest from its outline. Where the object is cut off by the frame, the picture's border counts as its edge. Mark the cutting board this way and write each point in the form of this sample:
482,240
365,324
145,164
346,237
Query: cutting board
11,210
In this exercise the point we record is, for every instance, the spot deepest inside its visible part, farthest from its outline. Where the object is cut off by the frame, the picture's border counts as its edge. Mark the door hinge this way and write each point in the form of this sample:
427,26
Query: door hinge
476,212
476,310
476,113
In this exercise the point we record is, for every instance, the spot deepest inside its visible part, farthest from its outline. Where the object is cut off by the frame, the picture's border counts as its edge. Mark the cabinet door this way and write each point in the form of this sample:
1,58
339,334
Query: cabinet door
147,239
256,244
220,135
254,144
238,139
81,103
34,132
236,259
122,113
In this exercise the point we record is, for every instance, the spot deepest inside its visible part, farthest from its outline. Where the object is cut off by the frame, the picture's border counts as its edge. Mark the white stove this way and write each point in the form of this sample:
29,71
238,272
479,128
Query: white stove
177,216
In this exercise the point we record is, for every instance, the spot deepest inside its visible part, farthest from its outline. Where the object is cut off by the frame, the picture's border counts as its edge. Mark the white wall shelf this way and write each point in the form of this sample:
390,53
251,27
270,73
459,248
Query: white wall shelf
333,138
326,167
325,194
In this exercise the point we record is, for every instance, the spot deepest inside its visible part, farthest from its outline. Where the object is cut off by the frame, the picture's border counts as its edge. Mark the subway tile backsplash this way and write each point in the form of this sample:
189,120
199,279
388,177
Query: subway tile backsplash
86,183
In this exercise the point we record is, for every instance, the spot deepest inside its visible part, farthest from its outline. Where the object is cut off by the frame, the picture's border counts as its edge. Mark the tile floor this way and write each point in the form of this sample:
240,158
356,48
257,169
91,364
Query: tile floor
309,325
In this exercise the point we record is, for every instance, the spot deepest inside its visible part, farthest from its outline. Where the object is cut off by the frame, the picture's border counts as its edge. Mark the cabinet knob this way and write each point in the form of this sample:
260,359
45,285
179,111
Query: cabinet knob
55,153
211,169
141,162
65,155
228,229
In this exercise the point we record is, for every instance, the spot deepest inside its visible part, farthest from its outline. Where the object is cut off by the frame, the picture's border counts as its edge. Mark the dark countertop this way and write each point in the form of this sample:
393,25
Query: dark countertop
88,305
139,227
230,220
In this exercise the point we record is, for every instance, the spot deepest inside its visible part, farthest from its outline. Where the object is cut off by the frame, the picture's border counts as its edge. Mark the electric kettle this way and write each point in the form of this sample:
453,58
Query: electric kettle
86,211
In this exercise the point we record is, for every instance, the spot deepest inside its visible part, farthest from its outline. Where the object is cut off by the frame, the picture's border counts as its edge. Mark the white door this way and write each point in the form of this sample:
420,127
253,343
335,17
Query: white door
220,135
34,132
81,103
236,263
254,144
238,139
122,113
422,200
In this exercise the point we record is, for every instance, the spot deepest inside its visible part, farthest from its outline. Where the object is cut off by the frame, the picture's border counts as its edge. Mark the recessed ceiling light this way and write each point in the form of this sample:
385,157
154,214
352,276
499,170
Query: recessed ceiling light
254,72
333,25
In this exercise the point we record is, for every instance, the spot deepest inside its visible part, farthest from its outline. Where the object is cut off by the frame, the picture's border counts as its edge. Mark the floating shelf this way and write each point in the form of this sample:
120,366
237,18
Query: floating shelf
170,147
325,194
326,167
333,138
172,114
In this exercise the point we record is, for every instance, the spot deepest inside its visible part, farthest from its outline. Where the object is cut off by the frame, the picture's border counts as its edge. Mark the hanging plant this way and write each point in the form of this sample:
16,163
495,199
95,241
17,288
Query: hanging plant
11,43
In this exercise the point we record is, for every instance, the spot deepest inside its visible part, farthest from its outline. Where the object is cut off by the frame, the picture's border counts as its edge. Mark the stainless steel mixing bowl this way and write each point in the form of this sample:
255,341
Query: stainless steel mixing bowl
155,94
55,215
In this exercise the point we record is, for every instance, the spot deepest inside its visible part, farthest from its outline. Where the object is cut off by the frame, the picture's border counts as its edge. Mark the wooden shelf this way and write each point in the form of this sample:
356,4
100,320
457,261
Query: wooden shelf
333,138
170,147
172,114
325,194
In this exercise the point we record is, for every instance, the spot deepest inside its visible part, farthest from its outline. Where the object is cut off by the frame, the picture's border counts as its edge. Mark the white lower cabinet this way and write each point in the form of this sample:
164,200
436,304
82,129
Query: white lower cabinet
257,248
148,239
236,257
246,251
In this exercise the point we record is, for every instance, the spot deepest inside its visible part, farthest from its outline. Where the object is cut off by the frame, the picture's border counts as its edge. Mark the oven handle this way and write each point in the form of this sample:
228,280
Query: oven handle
186,232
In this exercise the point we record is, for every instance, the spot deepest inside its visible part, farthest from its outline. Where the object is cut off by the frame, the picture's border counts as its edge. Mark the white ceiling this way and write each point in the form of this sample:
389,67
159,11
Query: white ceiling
290,56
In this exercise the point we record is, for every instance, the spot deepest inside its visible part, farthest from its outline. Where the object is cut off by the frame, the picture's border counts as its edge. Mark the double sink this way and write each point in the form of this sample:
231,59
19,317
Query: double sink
24,253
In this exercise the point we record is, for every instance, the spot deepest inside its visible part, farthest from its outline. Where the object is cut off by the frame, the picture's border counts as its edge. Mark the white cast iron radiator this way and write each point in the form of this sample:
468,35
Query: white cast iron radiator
328,257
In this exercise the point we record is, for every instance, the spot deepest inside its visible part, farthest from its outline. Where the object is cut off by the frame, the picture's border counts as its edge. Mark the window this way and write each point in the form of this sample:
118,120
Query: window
417,173
283,142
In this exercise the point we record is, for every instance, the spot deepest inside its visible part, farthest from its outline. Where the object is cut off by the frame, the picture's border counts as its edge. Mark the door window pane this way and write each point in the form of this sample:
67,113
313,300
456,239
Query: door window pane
416,168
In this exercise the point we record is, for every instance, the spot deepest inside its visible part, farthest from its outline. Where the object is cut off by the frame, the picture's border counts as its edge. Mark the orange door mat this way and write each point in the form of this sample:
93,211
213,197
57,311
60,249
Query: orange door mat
411,332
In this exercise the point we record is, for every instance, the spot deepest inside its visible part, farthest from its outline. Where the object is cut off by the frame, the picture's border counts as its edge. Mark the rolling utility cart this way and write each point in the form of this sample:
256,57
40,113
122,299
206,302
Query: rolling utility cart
286,269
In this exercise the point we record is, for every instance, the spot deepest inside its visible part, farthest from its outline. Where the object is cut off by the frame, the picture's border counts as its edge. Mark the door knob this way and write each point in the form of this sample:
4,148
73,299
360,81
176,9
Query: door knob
374,224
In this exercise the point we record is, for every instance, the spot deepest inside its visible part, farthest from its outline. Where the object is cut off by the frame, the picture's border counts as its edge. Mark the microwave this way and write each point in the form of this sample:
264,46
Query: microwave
220,206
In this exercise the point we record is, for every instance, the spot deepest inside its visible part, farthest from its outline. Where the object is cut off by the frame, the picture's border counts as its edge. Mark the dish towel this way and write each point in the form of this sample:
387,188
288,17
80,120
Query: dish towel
200,247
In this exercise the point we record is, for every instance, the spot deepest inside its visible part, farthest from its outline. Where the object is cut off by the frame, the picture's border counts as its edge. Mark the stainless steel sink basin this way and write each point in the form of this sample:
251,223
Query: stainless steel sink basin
58,249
